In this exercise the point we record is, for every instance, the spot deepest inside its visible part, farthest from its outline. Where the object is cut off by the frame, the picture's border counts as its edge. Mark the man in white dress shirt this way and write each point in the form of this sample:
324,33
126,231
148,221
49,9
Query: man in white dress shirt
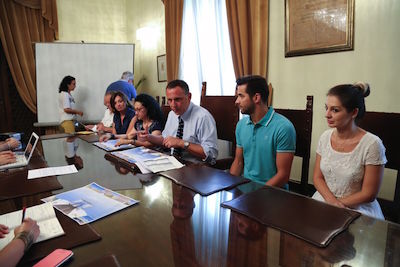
106,123
190,129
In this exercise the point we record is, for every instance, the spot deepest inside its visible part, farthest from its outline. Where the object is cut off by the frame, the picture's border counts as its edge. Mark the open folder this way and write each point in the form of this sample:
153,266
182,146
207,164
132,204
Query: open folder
147,160
303,217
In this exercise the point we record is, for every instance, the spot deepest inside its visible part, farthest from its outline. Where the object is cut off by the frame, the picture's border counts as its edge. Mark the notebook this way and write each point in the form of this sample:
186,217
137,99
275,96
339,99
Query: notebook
305,218
55,259
204,180
75,235
43,214
23,158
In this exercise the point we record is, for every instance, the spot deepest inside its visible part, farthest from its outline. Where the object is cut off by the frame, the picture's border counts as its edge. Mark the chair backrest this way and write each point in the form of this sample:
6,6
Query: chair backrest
162,99
302,122
387,127
225,113
270,94
165,110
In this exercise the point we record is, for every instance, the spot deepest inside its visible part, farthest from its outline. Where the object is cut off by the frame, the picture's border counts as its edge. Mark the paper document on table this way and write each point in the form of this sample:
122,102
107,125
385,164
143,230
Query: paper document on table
149,160
162,164
43,214
50,171
110,145
89,203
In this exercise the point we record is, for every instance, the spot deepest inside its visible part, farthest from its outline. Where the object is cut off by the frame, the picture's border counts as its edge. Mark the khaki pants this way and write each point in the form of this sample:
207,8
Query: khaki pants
67,127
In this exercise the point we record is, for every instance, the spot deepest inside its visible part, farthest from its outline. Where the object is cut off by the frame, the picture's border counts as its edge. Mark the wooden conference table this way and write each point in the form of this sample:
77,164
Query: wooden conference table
172,226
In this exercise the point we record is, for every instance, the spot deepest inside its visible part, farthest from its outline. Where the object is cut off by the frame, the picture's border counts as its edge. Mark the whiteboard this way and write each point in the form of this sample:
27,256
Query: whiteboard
94,67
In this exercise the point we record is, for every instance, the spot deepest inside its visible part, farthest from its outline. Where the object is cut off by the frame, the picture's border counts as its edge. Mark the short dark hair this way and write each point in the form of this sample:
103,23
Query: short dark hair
255,84
351,96
109,93
124,98
153,108
64,83
181,83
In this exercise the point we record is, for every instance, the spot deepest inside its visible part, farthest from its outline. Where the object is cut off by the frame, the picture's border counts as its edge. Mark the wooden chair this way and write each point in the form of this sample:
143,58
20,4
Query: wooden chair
165,110
302,122
387,127
226,116
270,94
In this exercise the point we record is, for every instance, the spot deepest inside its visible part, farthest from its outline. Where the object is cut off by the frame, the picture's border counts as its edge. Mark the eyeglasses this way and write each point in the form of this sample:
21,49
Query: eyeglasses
139,109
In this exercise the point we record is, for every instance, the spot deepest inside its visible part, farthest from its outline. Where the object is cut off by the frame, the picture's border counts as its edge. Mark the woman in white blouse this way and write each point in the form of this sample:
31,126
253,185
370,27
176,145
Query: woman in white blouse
66,104
350,161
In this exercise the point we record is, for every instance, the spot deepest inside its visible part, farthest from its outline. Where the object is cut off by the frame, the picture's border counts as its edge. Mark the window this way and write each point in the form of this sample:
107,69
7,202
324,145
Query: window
205,49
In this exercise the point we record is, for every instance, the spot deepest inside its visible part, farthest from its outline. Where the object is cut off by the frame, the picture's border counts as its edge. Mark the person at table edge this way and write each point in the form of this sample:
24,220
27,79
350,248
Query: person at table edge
266,140
199,130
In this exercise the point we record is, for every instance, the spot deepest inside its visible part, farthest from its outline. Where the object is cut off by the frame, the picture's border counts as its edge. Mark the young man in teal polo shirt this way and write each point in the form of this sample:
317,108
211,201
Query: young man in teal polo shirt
266,140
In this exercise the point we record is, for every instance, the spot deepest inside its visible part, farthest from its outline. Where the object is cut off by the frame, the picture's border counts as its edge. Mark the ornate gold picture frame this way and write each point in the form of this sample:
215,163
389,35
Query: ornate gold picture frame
318,26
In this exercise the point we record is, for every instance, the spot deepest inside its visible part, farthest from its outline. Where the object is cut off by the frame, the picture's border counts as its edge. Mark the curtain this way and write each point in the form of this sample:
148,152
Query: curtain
24,22
205,49
248,31
173,29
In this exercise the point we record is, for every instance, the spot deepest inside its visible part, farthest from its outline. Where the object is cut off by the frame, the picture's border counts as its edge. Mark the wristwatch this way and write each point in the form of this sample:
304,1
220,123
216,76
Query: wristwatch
186,145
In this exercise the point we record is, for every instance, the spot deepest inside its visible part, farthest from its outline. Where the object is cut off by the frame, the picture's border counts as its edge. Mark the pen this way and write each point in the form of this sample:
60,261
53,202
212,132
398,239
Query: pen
23,214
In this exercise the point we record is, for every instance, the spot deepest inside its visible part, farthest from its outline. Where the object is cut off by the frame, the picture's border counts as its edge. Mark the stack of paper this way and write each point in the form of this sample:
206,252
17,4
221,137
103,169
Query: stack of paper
43,214
89,203
149,160
50,171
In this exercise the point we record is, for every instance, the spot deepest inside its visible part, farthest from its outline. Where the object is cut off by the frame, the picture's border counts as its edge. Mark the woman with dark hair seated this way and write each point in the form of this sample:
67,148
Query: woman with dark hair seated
350,161
123,114
149,118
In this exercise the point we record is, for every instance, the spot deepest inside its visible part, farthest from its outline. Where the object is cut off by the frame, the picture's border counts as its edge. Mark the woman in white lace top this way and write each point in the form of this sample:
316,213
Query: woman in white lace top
350,161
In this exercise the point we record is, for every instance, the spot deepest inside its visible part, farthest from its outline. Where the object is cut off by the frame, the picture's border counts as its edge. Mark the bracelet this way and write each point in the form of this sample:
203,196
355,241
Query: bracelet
27,238
134,142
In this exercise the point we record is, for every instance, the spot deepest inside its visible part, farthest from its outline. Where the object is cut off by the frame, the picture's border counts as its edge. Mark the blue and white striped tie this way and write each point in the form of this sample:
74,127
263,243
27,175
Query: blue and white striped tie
179,134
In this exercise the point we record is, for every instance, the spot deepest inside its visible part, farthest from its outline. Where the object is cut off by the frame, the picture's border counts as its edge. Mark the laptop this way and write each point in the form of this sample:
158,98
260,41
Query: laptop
22,159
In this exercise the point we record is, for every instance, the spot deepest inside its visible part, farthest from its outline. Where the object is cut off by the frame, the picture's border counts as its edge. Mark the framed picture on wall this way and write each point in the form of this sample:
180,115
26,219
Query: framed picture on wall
318,26
162,68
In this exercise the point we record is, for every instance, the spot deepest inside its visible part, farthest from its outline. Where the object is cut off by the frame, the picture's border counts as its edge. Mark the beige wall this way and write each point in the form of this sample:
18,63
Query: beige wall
116,22
145,13
375,59
92,21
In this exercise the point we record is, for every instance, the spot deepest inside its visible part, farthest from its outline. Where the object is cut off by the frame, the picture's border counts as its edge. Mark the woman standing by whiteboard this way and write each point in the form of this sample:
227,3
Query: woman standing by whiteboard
66,104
